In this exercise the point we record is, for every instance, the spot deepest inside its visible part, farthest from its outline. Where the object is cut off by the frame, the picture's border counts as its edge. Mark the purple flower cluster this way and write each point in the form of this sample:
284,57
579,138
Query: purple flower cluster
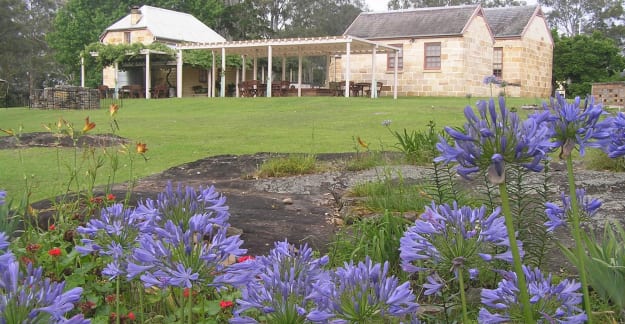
359,294
113,234
575,126
178,240
184,254
554,303
448,237
30,298
278,284
558,216
491,79
615,146
496,137
3,196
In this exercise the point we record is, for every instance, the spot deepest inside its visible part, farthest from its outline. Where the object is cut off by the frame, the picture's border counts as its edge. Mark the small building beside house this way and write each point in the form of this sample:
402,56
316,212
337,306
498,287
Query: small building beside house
448,51
610,94
147,25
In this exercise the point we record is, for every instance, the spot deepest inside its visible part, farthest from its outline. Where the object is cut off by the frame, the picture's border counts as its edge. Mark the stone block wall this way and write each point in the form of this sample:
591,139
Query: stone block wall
609,93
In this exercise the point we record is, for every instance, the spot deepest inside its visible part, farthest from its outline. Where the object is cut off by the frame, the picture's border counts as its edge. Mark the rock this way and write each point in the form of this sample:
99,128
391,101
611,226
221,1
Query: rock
287,201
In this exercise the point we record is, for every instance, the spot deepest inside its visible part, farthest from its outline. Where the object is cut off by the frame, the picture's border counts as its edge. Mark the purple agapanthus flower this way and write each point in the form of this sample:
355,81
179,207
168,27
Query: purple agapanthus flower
281,283
615,146
577,127
4,241
556,303
177,204
113,234
491,79
3,196
340,295
451,237
32,296
184,254
496,138
558,215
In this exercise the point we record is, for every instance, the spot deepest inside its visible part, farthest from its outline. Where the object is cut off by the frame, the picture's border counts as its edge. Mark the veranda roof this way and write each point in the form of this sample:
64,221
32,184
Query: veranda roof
310,46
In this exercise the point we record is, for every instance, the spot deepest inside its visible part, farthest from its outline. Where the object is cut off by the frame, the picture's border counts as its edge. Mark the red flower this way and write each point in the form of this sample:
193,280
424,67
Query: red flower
51,227
55,252
26,260
131,316
96,200
110,299
110,197
225,304
245,258
33,247
185,293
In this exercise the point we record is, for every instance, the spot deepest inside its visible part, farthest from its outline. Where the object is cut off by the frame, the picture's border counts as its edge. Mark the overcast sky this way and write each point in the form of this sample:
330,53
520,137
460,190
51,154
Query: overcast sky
380,5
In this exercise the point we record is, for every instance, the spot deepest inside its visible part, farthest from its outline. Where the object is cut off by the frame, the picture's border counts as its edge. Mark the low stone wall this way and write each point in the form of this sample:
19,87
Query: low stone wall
65,97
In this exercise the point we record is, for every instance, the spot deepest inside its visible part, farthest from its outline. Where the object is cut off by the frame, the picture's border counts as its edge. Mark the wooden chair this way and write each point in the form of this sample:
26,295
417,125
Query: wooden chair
284,88
379,88
159,91
334,88
104,90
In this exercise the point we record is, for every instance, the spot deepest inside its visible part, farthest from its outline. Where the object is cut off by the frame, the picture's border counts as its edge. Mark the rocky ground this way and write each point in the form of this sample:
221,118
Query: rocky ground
307,208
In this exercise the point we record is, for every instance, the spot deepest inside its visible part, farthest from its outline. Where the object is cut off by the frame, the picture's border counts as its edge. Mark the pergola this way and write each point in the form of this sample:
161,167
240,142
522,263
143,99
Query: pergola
290,47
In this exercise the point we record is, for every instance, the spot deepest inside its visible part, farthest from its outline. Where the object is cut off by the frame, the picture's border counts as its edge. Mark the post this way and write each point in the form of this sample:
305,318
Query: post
374,84
395,75
283,68
116,94
236,84
299,73
148,78
212,85
179,74
269,64
223,72
347,76
82,71
243,68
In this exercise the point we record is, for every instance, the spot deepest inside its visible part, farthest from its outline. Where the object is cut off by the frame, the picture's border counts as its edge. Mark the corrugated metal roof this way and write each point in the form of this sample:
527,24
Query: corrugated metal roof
509,21
170,25
422,22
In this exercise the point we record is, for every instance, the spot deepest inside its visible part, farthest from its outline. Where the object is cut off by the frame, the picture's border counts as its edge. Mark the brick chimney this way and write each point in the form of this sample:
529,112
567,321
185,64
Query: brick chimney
135,15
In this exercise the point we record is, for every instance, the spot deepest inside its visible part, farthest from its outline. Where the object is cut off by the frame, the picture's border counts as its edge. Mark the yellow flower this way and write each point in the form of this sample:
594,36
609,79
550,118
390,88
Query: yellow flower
113,108
8,131
88,125
362,143
142,148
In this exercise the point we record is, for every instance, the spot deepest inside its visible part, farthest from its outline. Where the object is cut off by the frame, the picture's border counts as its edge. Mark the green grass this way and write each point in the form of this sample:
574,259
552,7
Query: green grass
184,130
293,164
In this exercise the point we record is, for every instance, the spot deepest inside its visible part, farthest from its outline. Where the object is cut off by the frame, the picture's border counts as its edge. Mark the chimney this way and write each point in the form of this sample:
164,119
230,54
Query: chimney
135,15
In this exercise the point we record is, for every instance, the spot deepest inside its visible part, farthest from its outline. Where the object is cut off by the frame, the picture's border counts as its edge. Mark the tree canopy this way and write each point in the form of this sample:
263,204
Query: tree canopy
581,60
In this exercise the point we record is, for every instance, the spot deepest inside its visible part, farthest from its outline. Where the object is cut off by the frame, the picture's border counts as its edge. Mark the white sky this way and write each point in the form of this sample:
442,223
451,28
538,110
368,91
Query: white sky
380,5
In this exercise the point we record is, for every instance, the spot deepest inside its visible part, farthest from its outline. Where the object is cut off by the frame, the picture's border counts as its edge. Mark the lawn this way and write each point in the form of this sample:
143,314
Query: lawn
182,130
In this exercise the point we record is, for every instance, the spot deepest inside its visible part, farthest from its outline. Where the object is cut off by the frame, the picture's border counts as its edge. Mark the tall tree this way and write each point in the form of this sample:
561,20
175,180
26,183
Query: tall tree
580,60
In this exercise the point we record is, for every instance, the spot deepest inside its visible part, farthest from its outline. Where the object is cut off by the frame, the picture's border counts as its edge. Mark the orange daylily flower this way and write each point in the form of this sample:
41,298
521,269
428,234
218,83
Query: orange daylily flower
142,148
88,125
362,143
8,131
113,108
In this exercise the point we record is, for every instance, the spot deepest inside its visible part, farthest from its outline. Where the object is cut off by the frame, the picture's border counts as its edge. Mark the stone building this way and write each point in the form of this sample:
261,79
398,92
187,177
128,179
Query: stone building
147,25
610,94
448,51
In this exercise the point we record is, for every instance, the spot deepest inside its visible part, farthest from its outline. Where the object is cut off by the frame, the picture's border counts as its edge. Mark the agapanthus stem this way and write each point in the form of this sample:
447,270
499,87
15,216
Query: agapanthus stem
117,314
577,236
190,306
463,298
516,255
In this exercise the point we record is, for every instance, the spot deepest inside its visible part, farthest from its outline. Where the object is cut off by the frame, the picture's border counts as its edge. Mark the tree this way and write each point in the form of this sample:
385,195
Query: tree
583,59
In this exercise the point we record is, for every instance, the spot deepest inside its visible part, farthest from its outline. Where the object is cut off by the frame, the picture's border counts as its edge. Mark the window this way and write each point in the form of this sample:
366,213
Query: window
498,62
390,58
126,37
203,76
432,56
